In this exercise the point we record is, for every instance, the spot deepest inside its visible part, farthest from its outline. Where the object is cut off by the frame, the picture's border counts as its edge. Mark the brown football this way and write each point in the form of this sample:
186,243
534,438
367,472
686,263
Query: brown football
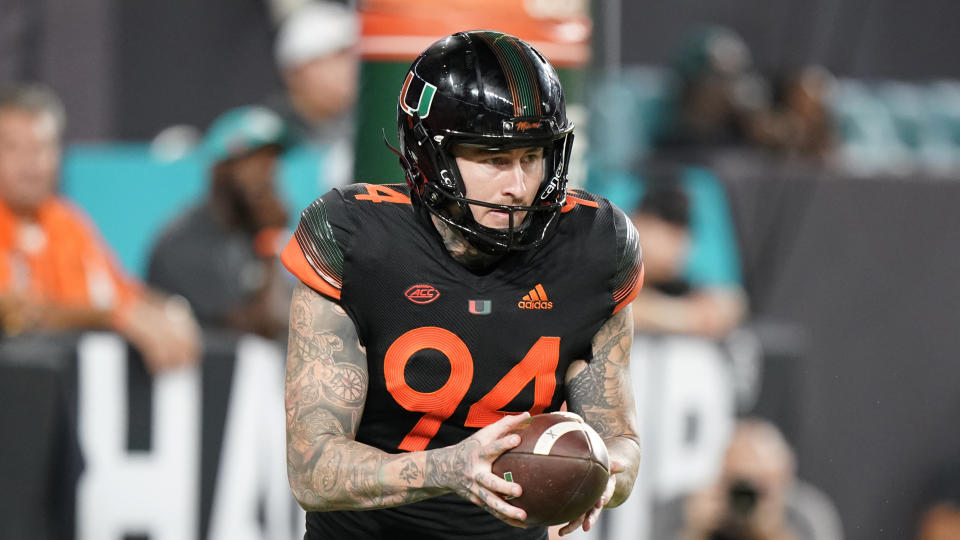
561,464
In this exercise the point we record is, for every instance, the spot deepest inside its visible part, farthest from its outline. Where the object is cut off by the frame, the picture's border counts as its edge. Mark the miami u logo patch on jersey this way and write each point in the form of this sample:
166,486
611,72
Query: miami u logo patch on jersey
480,307
419,91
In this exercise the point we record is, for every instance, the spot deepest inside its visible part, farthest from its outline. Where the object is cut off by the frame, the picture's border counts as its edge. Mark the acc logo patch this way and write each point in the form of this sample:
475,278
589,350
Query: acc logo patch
422,294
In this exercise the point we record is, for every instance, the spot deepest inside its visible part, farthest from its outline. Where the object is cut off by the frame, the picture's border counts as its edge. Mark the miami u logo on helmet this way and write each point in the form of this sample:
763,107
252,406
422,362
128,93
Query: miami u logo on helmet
425,90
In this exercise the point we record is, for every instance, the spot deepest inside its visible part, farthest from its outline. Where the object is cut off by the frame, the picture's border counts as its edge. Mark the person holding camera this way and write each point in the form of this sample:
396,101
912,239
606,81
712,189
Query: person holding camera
749,499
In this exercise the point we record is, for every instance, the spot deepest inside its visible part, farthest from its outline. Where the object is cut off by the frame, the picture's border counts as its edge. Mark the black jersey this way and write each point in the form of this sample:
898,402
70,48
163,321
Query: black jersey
450,350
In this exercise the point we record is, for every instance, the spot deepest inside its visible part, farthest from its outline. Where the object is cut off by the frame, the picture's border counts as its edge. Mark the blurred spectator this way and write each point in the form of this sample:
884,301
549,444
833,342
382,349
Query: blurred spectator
940,519
756,495
316,52
669,303
55,271
800,126
717,99
723,113
221,253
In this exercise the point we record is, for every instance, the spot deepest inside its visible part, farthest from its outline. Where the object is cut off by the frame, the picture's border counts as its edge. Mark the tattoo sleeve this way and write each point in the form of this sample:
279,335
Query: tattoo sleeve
326,387
601,392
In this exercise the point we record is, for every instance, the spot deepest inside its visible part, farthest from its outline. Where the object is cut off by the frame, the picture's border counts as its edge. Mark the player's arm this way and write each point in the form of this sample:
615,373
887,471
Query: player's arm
601,392
326,387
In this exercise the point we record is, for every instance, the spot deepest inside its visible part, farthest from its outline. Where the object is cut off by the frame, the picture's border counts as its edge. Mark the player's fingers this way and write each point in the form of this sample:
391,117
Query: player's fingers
474,499
505,424
617,467
591,518
493,450
499,485
572,526
515,523
497,506
479,502
608,491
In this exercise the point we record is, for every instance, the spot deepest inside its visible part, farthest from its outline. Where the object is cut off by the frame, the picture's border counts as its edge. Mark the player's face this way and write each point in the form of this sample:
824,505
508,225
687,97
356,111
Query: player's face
29,158
509,176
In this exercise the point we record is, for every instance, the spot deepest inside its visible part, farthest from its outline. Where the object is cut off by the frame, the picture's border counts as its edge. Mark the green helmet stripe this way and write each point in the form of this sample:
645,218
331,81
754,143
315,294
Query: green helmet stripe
518,71
426,99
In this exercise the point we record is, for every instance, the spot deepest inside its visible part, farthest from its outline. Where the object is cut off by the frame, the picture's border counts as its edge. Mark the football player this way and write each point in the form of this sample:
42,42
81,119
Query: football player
435,316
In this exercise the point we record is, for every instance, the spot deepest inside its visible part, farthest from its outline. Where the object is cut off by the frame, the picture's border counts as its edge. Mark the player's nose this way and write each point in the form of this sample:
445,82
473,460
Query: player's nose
515,184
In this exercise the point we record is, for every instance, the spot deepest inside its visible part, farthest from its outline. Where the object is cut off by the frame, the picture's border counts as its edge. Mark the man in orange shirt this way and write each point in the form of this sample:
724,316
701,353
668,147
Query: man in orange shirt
55,271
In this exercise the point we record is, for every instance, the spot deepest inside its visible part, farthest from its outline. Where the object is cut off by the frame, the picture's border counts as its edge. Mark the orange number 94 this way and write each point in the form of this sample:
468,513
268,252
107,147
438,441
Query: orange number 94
539,365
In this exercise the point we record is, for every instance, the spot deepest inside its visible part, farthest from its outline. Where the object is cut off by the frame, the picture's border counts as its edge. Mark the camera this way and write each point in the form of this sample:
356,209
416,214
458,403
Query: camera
742,498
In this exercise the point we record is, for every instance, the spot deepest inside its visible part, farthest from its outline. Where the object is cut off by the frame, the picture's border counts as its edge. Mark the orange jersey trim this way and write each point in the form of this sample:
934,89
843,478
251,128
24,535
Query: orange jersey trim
573,201
297,264
637,285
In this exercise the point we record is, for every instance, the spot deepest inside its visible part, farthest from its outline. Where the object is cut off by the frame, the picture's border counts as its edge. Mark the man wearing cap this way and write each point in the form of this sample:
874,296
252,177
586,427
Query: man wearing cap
317,57
220,254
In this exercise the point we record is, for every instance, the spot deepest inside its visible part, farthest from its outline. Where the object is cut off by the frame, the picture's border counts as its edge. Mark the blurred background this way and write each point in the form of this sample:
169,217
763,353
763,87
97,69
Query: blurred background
792,169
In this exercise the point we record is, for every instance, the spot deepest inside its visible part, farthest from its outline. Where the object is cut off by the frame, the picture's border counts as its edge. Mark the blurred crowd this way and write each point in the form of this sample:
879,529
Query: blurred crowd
56,274
713,106
718,102
215,265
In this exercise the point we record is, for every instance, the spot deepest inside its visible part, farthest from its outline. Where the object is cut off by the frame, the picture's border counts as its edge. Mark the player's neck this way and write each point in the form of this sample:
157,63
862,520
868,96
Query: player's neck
461,250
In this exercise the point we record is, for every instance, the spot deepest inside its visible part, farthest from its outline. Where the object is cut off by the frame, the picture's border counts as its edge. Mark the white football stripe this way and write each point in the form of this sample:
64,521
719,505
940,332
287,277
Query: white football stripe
554,432
596,441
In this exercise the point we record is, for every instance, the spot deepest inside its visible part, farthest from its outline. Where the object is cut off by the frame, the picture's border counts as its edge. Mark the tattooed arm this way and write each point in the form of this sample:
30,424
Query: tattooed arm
602,394
326,386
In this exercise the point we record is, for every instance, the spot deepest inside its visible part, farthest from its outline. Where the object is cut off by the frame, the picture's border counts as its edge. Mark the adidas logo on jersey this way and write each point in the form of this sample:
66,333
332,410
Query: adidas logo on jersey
535,299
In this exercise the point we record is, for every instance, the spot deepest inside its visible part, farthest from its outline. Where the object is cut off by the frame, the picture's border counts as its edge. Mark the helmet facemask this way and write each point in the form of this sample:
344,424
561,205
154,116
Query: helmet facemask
446,196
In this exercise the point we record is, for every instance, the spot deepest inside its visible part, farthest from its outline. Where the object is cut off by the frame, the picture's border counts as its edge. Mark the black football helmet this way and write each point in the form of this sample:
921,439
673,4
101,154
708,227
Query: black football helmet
493,90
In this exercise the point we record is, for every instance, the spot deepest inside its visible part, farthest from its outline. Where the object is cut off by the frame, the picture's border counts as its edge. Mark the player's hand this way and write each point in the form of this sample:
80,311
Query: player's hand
470,474
589,519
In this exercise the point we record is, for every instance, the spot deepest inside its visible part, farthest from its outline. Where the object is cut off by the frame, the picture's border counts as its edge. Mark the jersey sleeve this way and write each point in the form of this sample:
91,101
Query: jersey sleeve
628,276
315,253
